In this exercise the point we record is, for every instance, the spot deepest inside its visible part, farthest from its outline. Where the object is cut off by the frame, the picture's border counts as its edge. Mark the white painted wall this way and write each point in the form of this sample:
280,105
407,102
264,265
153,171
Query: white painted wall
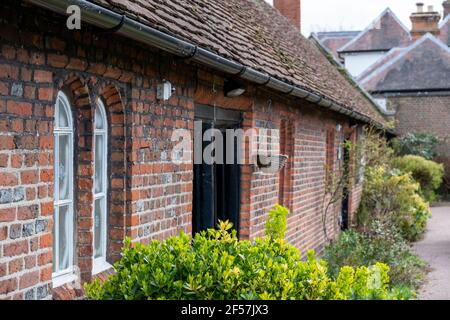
357,62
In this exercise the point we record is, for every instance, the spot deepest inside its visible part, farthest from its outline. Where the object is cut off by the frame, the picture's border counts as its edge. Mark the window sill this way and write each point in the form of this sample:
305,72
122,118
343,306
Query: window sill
61,279
100,267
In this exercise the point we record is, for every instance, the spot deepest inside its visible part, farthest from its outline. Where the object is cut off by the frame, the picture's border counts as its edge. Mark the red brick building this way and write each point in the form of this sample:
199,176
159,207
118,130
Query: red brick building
85,131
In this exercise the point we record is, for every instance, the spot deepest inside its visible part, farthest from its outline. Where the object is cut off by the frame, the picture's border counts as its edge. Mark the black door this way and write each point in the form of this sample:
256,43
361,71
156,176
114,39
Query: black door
203,200
216,186
346,191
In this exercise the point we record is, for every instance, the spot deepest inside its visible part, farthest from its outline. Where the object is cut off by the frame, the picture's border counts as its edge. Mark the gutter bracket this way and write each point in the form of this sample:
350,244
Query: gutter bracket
115,28
265,83
194,52
240,73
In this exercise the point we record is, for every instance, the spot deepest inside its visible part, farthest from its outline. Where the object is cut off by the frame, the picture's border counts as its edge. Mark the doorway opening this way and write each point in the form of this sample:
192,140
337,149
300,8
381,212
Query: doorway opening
217,189
346,188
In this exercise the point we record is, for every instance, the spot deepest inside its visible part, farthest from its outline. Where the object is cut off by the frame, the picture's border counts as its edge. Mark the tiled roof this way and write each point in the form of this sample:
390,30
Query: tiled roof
393,53
383,34
253,33
335,40
425,65
444,27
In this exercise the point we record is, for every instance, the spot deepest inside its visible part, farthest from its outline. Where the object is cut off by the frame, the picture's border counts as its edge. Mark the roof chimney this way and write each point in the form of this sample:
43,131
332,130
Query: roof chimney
419,7
291,9
424,22
446,5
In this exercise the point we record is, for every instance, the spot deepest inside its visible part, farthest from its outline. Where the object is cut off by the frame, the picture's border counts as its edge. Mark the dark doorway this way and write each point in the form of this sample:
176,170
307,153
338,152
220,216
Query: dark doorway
216,186
346,191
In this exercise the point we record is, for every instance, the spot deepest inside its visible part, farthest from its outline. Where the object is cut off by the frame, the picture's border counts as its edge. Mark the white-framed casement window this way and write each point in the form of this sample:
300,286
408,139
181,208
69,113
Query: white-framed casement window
63,227
100,188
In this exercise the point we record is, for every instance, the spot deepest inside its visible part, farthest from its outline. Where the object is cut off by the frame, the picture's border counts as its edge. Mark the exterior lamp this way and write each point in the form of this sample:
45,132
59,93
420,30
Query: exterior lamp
233,88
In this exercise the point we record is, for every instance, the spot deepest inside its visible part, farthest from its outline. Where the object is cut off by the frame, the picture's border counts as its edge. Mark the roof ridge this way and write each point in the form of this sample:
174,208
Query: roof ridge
401,24
444,21
363,76
370,27
427,36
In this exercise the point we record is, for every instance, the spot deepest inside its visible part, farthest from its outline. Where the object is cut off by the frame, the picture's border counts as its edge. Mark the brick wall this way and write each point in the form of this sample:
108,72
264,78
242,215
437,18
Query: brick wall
425,114
291,9
149,196
430,114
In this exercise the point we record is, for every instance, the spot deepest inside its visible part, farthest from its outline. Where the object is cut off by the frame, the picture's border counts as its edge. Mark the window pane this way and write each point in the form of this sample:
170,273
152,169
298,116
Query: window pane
63,119
64,166
63,232
99,123
99,163
98,227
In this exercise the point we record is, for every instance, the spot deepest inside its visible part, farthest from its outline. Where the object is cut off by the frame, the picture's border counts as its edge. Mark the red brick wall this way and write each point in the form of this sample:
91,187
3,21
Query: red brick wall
426,114
149,196
430,114
291,9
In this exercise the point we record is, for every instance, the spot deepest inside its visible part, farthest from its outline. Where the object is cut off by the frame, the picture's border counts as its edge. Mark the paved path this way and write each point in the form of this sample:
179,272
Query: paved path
435,249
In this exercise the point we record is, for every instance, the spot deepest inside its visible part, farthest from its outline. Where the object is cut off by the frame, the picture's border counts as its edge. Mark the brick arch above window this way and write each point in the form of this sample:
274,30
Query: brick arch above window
119,220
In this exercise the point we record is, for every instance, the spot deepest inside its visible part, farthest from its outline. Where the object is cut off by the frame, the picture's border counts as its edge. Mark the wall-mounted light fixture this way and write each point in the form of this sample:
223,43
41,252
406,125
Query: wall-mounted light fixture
164,90
233,88
271,164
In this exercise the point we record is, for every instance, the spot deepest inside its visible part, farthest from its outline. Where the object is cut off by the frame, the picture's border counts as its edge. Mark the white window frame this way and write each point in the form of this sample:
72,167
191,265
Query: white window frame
382,103
60,277
362,155
100,264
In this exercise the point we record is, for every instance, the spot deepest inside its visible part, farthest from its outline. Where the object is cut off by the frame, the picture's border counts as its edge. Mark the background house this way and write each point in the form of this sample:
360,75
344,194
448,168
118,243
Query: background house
410,80
334,40
383,34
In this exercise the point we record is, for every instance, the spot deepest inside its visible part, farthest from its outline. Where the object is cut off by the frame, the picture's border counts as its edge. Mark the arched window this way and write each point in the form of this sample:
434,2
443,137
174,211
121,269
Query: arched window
63,227
100,187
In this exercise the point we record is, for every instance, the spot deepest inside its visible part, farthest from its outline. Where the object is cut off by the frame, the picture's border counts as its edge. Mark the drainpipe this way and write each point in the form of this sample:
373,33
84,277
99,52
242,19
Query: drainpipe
132,29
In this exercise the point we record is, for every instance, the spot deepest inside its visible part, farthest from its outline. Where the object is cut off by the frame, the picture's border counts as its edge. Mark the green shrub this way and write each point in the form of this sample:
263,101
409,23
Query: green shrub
381,244
419,144
276,222
427,173
391,197
216,265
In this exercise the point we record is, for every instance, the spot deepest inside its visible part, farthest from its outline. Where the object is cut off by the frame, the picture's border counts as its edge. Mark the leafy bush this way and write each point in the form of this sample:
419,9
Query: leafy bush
376,149
420,144
427,173
380,244
276,222
391,197
216,265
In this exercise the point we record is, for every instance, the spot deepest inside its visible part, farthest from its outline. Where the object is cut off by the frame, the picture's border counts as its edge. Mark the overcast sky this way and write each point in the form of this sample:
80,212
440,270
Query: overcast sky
332,15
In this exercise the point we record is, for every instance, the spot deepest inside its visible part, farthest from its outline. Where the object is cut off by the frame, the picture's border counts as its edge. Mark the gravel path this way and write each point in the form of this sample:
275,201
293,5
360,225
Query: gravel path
435,249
